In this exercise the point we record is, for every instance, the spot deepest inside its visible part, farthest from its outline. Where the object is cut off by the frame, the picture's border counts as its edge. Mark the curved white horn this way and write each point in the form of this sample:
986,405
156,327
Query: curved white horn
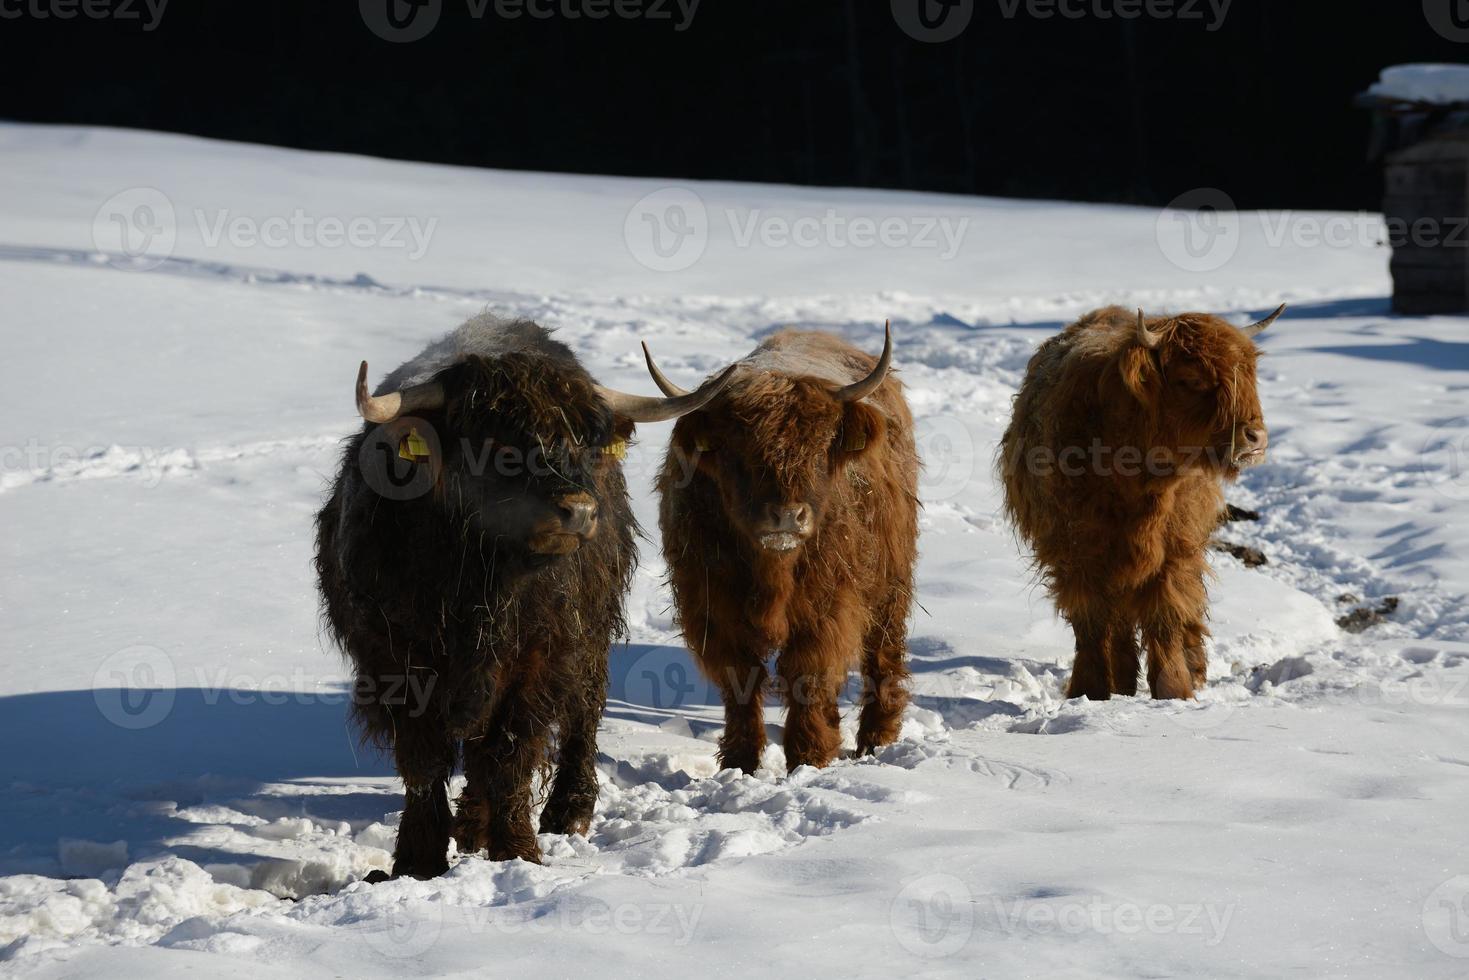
385,408
1255,329
664,385
641,408
1146,337
869,384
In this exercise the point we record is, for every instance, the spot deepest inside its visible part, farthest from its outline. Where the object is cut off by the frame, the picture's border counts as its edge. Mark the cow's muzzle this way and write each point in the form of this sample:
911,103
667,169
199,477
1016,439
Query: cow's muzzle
1250,444
575,522
785,527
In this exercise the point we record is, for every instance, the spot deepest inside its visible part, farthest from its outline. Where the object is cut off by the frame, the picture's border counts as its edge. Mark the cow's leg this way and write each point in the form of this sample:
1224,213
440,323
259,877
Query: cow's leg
1123,656
502,763
884,676
1091,675
1168,672
812,669
727,656
1195,654
742,689
1172,624
574,792
424,755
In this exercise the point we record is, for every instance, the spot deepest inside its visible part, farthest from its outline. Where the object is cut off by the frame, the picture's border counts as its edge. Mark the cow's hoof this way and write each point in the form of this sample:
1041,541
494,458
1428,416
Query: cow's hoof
564,822
527,852
423,872
377,877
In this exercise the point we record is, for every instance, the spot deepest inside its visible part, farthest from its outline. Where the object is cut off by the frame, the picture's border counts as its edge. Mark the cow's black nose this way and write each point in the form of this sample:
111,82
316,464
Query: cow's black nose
793,518
578,513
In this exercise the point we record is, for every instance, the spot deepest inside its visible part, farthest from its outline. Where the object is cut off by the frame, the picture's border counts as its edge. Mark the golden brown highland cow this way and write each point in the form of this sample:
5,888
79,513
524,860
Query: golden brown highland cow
790,524
1122,435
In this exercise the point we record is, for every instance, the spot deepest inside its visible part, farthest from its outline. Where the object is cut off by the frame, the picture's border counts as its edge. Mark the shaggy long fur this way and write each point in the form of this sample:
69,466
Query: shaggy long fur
1112,469
838,602
465,643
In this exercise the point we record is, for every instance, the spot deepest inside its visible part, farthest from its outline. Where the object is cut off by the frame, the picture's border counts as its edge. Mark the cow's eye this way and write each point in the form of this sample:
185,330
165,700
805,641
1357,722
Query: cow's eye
1193,380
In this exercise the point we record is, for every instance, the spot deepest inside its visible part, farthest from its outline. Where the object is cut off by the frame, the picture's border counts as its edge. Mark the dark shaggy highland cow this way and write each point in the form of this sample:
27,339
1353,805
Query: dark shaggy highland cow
790,524
472,559
1123,432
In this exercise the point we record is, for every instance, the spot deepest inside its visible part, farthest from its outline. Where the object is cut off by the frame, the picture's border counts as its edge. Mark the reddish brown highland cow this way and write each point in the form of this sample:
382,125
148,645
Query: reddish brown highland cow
1123,432
790,523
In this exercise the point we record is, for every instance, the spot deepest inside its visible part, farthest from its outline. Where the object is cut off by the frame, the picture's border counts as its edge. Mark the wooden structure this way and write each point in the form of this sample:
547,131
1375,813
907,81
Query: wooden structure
1426,205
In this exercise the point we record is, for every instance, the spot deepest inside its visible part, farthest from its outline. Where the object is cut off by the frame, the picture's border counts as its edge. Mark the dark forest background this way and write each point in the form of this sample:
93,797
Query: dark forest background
828,92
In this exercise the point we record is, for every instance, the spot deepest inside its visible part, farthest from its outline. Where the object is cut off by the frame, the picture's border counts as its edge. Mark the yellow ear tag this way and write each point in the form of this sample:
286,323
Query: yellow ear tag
702,446
412,447
618,449
856,442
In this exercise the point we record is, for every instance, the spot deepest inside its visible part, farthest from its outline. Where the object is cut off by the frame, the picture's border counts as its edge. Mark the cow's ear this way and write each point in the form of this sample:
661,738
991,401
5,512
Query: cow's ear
862,428
1140,374
694,436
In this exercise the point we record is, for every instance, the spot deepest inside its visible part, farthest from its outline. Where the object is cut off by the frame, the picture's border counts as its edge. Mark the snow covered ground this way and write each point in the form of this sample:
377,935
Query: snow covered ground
181,794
